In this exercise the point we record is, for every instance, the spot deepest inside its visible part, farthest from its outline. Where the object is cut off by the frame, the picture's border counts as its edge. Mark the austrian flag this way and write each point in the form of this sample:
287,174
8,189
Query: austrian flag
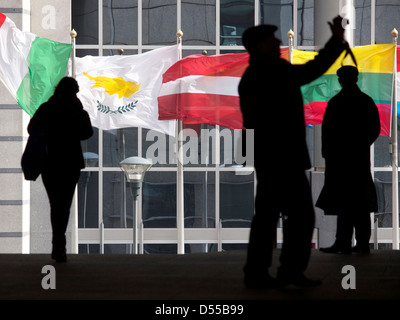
204,89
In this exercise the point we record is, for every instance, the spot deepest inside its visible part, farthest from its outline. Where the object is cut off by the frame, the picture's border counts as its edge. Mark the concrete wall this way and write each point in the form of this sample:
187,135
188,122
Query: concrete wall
14,190
24,208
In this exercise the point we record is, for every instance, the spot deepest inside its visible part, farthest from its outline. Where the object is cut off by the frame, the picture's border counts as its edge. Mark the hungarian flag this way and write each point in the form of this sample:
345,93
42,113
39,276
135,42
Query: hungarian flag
30,66
121,91
204,89
375,66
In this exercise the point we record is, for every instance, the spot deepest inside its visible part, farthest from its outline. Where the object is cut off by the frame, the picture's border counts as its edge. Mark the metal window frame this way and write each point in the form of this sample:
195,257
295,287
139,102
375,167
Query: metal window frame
218,234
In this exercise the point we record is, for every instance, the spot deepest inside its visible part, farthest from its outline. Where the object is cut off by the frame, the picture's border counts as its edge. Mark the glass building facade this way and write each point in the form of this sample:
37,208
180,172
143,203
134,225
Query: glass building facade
218,193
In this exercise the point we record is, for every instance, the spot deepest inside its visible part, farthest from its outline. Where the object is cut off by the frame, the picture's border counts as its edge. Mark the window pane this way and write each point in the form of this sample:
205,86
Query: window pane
88,248
159,200
88,200
383,186
199,199
186,53
382,157
205,136
201,247
362,32
117,248
236,17
236,200
118,145
114,52
232,51
198,22
86,52
305,22
117,201
234,246
386,18
310,142
280,14
229,146
159,22
161,248
159,147
90,149
120,22
85,20
199,145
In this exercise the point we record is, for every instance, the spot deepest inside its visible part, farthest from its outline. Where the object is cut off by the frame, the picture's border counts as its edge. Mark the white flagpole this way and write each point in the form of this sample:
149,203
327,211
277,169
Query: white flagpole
290,35
180,214
74,222
73,35
395,173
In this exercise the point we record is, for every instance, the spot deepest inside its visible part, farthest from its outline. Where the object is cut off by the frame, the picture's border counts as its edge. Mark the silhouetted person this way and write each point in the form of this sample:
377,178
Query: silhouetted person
272,105
351,124
66,124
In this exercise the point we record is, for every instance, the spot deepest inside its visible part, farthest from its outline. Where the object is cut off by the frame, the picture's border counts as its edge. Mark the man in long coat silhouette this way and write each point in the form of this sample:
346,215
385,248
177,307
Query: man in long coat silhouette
351,124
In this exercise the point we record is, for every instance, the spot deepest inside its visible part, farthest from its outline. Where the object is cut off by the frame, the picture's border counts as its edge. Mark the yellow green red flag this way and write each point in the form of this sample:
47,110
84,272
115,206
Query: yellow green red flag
375,66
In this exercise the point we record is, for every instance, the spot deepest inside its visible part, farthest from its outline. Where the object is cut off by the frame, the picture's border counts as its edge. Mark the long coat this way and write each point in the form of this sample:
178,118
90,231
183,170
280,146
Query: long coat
350,125
66,124
272,105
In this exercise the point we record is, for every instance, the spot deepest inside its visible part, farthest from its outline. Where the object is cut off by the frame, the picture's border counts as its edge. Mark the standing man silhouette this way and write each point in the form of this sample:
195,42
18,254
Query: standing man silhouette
351,124
272,105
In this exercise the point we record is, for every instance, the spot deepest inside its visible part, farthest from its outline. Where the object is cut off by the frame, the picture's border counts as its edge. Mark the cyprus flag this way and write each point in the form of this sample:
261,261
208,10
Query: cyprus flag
121,91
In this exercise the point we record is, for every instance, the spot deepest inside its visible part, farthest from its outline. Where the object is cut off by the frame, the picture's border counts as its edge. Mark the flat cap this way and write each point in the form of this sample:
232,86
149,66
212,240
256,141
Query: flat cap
253,35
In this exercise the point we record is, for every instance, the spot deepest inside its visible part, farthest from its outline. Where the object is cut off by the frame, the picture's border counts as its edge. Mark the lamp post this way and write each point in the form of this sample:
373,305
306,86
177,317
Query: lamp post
91,160
135,169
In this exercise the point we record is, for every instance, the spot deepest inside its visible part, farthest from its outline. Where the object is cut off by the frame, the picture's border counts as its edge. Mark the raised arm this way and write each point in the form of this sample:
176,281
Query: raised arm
326,57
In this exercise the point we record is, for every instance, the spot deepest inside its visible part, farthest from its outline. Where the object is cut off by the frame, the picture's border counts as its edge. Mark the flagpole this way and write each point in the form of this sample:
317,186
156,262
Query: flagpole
74,222
180,214
395,173
290,35
73,35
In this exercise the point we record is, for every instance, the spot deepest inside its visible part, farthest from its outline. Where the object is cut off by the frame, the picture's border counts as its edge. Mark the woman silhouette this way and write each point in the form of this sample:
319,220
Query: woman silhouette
66,123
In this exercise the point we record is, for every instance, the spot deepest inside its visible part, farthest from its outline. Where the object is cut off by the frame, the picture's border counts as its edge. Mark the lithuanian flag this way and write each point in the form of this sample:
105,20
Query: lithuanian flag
375,66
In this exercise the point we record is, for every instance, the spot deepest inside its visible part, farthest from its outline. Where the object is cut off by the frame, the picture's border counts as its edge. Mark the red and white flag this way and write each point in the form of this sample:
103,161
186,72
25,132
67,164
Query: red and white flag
204,89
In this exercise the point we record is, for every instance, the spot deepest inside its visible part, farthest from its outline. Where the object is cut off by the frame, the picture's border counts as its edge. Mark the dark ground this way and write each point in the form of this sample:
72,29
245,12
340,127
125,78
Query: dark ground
147,282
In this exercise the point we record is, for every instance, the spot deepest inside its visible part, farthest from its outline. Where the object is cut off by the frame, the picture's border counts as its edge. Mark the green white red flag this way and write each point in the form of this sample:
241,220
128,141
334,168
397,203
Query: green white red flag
30,66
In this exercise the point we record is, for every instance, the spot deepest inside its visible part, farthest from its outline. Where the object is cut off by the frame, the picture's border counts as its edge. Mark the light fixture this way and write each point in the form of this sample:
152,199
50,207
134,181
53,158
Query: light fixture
135,169
91,159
